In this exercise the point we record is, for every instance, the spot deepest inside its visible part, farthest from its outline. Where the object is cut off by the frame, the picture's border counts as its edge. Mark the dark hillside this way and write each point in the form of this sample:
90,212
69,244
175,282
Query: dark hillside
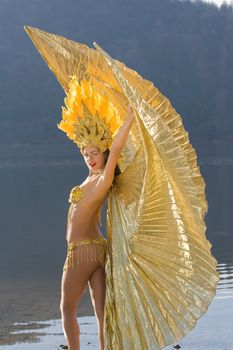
185,48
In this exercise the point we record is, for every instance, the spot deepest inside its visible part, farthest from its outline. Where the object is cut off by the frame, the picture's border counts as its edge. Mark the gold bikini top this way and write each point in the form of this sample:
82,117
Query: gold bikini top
76,195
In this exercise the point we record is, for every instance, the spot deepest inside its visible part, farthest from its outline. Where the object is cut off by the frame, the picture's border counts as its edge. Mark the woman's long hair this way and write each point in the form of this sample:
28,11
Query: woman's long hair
117,168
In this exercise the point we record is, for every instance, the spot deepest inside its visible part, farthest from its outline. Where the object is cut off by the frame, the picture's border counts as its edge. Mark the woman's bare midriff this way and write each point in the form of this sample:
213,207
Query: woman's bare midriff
83,223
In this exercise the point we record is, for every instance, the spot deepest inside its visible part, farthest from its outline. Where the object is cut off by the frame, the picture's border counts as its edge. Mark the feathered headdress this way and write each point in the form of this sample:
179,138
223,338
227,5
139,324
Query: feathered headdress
88,119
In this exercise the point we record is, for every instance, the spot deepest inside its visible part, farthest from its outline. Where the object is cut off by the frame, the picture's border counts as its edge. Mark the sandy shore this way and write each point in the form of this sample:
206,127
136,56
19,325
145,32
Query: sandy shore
212,332
25,301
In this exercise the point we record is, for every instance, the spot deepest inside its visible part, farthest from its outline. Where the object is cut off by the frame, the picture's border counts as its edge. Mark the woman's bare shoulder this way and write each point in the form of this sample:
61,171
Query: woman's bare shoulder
102,187
96,189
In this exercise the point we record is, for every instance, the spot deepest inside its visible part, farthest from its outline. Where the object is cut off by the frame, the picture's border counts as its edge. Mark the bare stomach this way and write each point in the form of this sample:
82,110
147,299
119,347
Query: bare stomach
81,225
76,235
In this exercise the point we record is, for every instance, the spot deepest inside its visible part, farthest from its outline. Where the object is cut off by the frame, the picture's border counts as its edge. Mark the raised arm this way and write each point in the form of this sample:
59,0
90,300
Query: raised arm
116,148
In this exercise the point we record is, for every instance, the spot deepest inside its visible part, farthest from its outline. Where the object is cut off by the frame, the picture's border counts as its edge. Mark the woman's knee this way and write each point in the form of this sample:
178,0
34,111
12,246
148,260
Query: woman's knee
98,305
68,307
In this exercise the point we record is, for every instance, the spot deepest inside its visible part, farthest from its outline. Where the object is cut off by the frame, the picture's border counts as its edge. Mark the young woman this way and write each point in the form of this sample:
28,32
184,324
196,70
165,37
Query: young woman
86,245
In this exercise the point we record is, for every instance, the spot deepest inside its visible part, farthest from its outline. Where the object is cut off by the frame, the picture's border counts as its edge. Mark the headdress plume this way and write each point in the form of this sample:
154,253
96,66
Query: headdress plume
88,118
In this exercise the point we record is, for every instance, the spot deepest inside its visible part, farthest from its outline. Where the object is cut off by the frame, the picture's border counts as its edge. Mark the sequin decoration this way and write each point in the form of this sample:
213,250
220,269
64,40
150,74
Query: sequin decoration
75,194
87,250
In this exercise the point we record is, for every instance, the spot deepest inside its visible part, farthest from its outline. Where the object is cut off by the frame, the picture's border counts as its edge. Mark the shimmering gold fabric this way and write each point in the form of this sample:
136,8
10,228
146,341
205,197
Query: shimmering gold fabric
85,250
160,273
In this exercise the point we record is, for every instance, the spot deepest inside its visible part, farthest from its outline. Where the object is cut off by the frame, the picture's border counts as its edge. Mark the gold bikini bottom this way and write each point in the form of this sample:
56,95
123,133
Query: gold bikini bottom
85,250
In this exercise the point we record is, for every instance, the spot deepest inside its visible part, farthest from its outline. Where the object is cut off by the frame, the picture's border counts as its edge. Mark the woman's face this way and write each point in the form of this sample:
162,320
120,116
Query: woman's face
94,159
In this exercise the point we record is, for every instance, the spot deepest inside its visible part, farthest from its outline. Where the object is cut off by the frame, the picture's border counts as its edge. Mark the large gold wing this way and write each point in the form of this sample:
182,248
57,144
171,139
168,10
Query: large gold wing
160,271
160,274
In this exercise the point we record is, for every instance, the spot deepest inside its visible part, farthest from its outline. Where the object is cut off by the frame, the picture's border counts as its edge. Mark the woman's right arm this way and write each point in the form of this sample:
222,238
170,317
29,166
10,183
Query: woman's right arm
116,148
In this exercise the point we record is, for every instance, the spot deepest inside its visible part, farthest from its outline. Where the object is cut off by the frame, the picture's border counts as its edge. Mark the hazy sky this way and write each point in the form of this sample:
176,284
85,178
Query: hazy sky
219,2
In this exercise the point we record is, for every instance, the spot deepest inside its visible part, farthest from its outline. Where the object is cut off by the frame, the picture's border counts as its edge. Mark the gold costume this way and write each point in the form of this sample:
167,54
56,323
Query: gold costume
160,273
85,250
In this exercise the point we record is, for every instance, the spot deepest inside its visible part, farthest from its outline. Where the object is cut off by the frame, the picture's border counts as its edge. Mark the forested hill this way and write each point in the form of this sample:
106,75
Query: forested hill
185,48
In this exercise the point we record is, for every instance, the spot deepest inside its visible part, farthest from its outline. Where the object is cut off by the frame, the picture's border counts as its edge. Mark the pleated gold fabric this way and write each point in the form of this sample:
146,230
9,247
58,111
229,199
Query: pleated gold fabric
160,273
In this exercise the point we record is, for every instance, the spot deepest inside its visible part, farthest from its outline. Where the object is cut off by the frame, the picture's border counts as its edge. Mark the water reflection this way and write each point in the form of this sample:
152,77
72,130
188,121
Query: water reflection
35,182
34,335
225,284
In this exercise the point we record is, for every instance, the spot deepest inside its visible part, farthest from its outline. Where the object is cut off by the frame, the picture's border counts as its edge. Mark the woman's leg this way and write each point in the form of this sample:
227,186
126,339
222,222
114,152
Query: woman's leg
73,286
97,292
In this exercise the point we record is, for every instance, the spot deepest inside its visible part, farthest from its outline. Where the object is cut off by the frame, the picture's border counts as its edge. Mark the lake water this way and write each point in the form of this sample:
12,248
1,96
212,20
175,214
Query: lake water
35,183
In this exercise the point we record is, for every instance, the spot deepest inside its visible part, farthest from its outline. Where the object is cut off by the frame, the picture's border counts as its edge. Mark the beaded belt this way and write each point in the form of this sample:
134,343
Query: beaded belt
97,251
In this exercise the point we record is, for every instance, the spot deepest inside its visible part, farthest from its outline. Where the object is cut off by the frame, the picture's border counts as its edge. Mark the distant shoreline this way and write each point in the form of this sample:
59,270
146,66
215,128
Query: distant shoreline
216,152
